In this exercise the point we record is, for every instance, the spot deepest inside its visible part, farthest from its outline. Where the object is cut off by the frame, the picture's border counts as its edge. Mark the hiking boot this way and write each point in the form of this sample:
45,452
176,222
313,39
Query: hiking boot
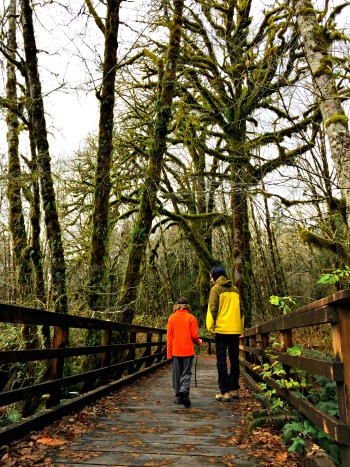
177,400
223,397
234,394
185,400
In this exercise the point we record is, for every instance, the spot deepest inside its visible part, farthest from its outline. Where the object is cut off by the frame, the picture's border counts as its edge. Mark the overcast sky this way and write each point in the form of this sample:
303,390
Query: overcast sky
69,65
69,61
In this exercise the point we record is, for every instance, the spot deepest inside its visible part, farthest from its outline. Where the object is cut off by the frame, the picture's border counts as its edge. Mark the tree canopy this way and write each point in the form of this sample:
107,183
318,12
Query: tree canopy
222,137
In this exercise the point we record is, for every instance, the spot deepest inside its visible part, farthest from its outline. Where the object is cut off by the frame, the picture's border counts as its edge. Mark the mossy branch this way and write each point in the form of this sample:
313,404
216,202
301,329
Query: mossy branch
321,242
93,13
288,202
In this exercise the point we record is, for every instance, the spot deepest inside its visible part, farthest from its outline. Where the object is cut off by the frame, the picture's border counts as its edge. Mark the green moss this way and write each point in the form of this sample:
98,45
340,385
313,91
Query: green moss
322,71
337,118
320,39
306,11
325,67
318,241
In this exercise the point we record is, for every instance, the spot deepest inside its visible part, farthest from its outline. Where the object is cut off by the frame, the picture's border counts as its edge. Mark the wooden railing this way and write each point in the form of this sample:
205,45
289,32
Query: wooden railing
255,350
143,350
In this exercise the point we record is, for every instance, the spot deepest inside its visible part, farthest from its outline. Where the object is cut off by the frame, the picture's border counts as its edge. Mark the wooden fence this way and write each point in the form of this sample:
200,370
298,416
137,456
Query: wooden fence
115,364
143,349
255,350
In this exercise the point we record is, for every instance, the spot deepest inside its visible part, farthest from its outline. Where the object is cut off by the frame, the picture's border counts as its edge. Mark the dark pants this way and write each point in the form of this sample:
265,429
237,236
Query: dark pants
182,372
227,381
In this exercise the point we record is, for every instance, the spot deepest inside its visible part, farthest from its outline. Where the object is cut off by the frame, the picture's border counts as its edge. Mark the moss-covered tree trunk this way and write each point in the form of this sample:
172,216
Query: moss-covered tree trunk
318,54
203,193
16,217
36,253
241,260
36,256
156,152
52,224
97,284
279,287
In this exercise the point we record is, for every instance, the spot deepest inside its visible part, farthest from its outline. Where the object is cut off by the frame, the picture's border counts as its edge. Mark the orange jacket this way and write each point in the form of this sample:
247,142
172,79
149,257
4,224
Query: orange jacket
182,333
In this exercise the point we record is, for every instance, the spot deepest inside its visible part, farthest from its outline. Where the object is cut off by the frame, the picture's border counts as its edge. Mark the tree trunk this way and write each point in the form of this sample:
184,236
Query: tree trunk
317,51
53,228
156,152
241,266
16,217
278,284
97,283
35,221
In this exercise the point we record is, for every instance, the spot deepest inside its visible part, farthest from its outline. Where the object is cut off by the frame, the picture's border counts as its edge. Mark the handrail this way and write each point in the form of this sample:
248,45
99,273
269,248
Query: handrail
143,351
254,351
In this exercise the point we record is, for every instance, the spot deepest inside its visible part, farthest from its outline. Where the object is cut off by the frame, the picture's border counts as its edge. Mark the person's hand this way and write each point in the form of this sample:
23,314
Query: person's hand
200,341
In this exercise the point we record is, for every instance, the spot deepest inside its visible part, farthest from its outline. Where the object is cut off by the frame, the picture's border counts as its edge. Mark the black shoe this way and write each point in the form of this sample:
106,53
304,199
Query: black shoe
185,400
177,400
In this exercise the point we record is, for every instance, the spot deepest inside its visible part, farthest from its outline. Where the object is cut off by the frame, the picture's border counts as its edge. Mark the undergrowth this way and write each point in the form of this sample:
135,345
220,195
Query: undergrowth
296,430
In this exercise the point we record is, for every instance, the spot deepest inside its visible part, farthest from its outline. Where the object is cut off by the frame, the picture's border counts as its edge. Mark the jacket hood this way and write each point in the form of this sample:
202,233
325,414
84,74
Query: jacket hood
223,281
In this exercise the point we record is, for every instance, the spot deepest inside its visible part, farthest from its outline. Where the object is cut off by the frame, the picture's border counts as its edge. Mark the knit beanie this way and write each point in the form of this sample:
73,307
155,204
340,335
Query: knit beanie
217,271
183,301
182,304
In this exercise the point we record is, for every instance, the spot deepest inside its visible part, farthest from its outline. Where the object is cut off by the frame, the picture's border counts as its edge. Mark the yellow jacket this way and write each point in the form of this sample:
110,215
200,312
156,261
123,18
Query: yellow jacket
223,315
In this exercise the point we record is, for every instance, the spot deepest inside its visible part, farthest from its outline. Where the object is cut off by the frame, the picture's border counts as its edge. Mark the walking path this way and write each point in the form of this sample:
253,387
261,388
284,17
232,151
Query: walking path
141,426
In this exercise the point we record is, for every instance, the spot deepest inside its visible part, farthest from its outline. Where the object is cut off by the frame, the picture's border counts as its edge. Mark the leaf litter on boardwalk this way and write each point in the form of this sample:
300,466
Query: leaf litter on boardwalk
263,443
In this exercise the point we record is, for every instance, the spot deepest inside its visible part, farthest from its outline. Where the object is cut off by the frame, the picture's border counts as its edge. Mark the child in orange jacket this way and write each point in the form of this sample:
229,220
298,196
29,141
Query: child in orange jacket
182,334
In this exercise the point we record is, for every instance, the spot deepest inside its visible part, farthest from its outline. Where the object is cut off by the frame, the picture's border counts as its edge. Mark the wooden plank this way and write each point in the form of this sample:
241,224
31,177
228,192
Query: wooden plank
134,458
27,392
15,356
341,344
38,421
338,430
23,315
60,340
299,318
147,428
340,298
331,370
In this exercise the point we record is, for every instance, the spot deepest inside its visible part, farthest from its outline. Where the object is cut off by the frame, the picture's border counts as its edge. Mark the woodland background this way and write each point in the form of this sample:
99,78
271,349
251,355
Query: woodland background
222,137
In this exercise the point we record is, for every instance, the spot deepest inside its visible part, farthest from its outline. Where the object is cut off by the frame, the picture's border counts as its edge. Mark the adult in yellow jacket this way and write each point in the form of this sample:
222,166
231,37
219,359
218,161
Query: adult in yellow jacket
182,334
224,321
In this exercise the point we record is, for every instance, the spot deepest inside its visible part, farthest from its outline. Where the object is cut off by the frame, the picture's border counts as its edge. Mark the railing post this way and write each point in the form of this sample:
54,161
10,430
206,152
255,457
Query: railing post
287,343
265,342
60,340
148,350
341,346
253,345
106,356
160,345
242,352
286,339
131,354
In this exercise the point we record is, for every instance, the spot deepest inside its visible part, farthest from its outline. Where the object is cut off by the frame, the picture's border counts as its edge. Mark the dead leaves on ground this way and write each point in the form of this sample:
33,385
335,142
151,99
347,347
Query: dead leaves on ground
262,443
33,449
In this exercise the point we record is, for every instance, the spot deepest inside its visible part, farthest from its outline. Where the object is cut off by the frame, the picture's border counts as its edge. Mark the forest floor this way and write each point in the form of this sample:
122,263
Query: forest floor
37,448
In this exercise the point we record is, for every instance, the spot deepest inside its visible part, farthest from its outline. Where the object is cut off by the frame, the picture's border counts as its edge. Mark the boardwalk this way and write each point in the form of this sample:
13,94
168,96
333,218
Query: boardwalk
144,427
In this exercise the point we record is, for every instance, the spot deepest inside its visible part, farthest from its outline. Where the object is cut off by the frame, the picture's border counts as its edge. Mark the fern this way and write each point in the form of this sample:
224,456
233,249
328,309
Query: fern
260,396
10,416
330,407
276,417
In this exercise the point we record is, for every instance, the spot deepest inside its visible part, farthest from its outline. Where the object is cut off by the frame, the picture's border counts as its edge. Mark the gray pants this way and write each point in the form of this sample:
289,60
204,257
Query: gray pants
182,372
